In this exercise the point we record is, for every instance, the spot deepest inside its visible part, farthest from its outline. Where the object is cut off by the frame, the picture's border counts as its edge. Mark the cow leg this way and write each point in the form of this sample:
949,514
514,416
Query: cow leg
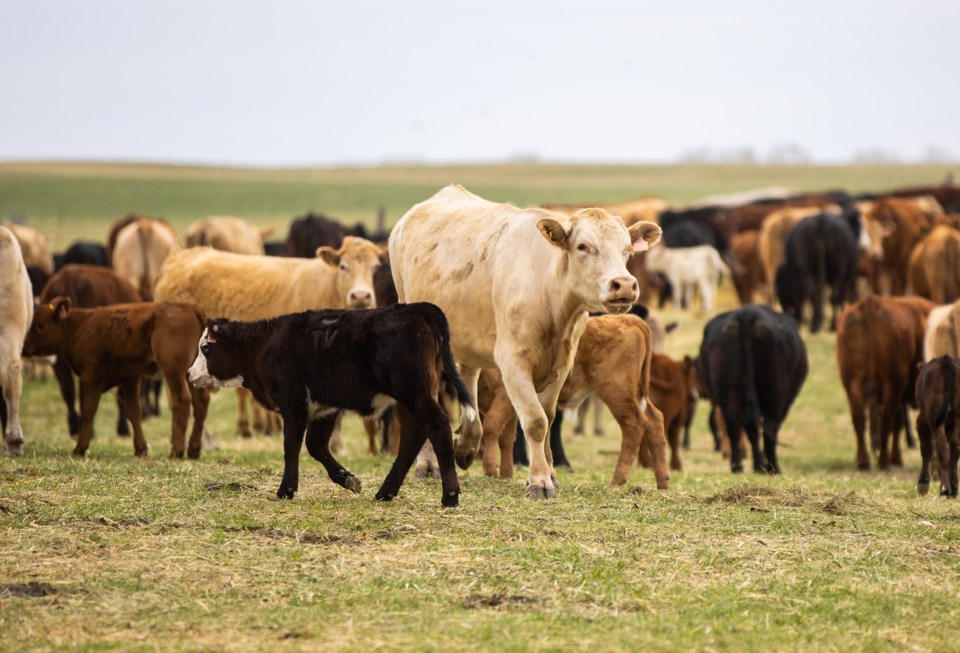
905,417
734,425
200,400
471,430
61,370
318,446
11,381
753,436
597,417
370,425
673,439
895,416
770,430
706,295
507,437
945,458
558,457
535,423
499,415
179,393
520,447
581,417
925,435
131,401
123,422
816,299
715,420
294,424
243,419
954,438
89,401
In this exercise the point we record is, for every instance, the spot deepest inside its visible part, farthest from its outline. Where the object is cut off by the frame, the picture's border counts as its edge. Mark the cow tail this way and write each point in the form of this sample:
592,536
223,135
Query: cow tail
145,290
751,401
949,382
441,333
821,252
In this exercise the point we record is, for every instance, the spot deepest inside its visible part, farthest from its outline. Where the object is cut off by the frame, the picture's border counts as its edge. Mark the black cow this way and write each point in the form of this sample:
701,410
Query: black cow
709,225
275,248
315,230
82,252
820,251
312,366
38,279
753,364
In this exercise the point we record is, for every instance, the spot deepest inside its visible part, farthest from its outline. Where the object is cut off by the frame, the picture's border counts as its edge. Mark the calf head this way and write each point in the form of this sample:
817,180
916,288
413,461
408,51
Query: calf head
213,365
46,330
596,247
356,261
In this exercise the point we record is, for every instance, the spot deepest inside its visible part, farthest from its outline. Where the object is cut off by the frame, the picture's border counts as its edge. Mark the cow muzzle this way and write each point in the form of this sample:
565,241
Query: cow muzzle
360,299
621,293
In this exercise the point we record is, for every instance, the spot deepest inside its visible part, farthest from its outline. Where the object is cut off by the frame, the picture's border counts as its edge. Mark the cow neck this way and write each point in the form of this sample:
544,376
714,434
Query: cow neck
246,341
69,327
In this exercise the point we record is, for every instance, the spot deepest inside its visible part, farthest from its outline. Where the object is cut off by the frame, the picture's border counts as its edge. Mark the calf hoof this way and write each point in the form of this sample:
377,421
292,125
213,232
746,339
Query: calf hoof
285,492
464,460
923,487
14,449
863,466
77,451
351,483
383,495
243,429
736,468
176,455
193,453
451,499
540,492
142,453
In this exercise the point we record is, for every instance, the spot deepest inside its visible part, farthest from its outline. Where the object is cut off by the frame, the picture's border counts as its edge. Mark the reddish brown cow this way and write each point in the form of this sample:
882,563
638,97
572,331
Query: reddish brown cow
938,425
116,345
749,277
934,269
87,286
750,217
673,389
906,222
879,344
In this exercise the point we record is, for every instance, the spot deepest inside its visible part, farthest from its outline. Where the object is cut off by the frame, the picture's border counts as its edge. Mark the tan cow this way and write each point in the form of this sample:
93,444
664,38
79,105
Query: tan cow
772,240
942,337
516,285
141,248
902,223
16,313
34,248
934,269
228,234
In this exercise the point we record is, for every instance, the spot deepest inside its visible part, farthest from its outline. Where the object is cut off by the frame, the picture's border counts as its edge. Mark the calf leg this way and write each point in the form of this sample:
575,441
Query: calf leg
925,436
370,425
857,416
61,369
131,401
437,424
243,420
294,424
200,400
911,443
318,446
945,458
753,435
412,439
507,437
180,400
656,440
673,439
89,401
123,423
631,419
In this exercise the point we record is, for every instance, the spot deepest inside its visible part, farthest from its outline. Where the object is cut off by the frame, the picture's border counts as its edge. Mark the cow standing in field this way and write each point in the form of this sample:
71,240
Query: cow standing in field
938,426
934,268
34,248
116,345
903,223
140,249
315,230
689,270
516,286
82,252
753,364
942,337
311,366
748,275
879,345
16,312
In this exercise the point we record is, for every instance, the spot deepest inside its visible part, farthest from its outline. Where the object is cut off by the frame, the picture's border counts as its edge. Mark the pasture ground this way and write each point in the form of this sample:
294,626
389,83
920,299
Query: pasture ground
113,552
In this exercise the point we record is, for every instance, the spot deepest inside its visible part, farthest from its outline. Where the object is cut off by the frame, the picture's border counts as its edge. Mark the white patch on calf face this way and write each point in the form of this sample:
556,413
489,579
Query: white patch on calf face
200,377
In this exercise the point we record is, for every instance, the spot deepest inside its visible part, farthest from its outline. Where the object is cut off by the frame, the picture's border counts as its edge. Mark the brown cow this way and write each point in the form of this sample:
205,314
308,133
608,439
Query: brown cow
749,275
904,222
879,344
938,426
613,360
87,286
116,345
673,390
934,269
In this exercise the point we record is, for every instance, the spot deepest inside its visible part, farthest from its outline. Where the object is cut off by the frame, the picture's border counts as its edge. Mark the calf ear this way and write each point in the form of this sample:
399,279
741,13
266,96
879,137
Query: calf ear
329,254
554,232
644,235
384,254
60,307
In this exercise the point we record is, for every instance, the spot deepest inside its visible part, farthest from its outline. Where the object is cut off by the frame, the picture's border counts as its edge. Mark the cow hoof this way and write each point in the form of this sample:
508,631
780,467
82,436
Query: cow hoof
141,453
352,483
383,495
736,469
923,487
77,451
540,492
14,449
556,483
178,455
193,454
464,460
286,492
451,499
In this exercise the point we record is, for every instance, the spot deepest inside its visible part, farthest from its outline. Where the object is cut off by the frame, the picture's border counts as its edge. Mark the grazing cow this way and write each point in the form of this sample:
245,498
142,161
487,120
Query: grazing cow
228,234
942,337
83,252
934,270
879,344
516,286
938,422
820,251
140,251
613,361
689,269
258,287
753,364
115,346
16,312
749,275
315,230
772,238
903,223
34,248
313,365
87,286
673,390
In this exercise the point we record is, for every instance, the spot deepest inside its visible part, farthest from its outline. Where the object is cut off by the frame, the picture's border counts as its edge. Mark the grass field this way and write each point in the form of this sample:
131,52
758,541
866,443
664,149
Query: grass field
115,553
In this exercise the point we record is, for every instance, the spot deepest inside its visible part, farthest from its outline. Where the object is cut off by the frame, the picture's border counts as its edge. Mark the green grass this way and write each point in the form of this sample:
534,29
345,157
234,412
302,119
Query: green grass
129,554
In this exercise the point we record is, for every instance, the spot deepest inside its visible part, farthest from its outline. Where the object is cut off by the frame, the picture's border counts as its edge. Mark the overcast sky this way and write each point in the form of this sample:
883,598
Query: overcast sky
311,82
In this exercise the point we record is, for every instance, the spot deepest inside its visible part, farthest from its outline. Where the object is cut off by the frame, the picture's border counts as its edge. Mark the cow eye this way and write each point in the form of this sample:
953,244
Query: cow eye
205,350
344,267
583,247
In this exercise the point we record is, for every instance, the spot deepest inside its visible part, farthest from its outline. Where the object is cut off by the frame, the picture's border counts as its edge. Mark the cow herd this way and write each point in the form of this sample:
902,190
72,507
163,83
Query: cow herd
491,304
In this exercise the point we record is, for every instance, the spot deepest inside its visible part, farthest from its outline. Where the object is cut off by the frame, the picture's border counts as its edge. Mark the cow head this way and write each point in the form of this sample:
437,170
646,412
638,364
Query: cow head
356,261
46,330
213,366
596,246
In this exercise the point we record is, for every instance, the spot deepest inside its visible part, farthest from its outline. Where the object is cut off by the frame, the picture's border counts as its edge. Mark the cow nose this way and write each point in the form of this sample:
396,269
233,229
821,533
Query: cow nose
624,286
360,298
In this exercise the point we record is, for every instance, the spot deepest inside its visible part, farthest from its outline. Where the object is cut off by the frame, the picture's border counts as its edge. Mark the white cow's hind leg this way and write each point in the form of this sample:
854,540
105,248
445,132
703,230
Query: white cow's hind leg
12,382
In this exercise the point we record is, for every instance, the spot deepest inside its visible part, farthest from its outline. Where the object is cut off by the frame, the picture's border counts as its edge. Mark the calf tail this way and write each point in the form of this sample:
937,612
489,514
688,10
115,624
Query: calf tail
441,333
751,401
949,382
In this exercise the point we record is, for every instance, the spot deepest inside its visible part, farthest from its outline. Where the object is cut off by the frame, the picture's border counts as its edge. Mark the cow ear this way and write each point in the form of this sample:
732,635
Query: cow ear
644,235
60,307
384,254
554,232
265,232
329,254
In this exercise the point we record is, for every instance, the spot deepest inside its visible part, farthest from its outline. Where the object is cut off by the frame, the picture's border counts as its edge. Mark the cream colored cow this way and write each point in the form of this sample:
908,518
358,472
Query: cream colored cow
227,234
141,248
516,286
942,337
